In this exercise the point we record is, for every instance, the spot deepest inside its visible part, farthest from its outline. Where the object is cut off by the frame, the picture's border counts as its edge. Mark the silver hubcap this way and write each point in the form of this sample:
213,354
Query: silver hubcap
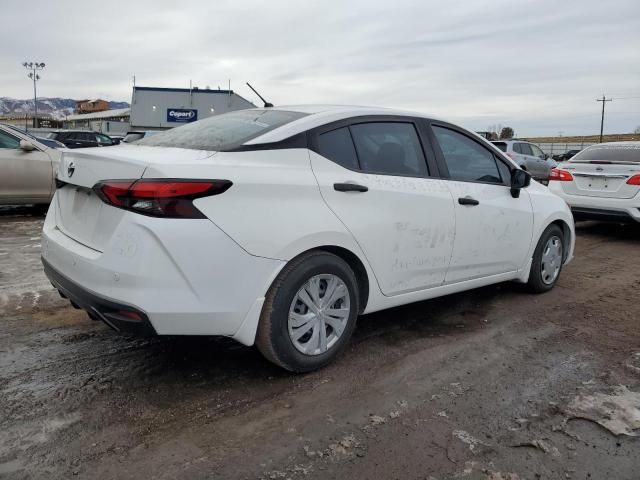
551,260
319,314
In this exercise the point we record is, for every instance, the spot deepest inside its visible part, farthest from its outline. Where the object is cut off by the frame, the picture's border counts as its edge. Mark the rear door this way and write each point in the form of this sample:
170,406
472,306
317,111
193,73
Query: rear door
25,176
493,229
376,175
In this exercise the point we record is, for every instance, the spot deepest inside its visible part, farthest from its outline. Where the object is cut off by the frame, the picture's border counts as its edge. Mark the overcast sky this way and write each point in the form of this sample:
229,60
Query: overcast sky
534,65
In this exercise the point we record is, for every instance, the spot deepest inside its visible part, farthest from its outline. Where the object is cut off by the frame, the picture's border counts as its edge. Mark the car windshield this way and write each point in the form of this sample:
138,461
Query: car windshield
222,132
501,145
623,152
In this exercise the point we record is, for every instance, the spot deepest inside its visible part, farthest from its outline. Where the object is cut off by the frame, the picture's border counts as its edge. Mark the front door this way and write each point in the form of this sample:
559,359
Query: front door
493,229
375,178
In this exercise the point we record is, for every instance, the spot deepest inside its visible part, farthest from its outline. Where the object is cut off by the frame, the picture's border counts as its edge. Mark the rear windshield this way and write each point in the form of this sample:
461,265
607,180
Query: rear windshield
222,132
624,152
501,145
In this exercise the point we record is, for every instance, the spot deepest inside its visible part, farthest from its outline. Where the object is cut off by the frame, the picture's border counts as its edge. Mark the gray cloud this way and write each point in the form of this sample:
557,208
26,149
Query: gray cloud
534,65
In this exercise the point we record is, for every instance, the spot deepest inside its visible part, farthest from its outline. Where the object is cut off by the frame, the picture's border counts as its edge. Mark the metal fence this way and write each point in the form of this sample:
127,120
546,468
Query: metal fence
558,148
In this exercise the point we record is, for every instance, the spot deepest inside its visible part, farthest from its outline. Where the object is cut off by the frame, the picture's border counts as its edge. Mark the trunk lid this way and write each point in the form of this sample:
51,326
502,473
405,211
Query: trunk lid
80,214
601,178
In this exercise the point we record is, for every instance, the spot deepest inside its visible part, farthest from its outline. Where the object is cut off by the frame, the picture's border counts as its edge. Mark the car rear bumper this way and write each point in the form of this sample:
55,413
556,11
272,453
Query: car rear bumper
180,276
600,208
120,317
603,214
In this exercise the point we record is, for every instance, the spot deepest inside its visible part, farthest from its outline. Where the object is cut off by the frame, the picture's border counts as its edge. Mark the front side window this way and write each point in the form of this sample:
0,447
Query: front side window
337,146
525,148
466,160
223,132
391,148
537,151
8,141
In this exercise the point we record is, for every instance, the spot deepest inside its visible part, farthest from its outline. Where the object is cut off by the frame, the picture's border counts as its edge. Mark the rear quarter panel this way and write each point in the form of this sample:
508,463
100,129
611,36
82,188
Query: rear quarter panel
273,209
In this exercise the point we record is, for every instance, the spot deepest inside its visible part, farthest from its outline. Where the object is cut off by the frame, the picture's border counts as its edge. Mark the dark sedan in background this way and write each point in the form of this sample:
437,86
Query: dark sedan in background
82,138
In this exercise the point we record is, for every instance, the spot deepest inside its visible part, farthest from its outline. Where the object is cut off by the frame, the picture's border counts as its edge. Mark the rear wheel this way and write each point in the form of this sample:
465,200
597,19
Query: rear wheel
547,260
309,313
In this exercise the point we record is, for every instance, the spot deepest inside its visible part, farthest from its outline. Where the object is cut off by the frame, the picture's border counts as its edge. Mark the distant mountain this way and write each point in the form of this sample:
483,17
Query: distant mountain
56,107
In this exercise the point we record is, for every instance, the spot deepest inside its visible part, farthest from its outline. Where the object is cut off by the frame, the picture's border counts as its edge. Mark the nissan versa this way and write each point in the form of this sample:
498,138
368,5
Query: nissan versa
279,226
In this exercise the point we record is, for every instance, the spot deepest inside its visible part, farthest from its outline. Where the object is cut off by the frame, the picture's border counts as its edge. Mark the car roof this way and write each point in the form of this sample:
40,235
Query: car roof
318,115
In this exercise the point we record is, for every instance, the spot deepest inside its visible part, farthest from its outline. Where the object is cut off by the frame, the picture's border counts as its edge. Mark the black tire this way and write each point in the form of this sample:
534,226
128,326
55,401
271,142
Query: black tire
272,338
536,283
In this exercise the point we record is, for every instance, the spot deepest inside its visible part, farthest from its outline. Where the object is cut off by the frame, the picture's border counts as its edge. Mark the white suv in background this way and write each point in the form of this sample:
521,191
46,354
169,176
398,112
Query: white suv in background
529,156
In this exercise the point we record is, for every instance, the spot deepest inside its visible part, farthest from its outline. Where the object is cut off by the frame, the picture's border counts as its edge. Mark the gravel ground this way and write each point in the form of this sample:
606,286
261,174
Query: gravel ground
490,384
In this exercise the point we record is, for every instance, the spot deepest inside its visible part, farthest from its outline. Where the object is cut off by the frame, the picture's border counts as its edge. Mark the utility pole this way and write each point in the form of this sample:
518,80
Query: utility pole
33,75
603,100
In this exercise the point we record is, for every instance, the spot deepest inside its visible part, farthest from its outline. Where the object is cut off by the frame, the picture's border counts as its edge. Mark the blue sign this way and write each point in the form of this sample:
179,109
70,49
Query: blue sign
181,115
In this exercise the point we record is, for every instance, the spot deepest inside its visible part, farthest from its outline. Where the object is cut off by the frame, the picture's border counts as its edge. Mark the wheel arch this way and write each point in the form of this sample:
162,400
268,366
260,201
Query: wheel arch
566,236
356,265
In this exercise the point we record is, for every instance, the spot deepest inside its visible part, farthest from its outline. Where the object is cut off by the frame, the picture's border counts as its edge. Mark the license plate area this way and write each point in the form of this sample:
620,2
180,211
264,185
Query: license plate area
78,214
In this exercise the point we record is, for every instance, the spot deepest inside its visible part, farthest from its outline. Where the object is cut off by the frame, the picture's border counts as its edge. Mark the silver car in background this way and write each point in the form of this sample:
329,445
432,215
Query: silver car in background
529,156
27,168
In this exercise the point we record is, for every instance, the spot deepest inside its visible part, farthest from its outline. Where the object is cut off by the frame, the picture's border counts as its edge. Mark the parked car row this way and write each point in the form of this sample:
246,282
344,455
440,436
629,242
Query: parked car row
566,155
528,156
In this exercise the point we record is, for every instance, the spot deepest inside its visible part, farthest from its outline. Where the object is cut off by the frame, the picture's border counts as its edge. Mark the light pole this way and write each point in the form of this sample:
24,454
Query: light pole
33,68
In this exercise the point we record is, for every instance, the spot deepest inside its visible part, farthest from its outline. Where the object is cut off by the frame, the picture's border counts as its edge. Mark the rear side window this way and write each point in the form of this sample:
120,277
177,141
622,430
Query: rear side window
516,148
223,132
501,146
391,148
337,146
466,160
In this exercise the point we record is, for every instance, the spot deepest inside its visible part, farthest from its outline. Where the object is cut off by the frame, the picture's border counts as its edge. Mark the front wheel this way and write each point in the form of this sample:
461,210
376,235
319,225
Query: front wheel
309,313
547,260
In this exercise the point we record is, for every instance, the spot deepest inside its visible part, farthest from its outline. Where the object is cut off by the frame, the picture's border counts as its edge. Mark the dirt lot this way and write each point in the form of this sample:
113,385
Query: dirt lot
490,384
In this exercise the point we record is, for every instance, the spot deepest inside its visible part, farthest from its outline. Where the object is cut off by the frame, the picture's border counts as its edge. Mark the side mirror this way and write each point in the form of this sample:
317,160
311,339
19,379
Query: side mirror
26,146
115,141
546,156
519,180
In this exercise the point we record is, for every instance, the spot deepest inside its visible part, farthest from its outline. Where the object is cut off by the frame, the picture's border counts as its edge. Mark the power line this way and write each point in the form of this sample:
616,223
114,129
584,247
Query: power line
603,100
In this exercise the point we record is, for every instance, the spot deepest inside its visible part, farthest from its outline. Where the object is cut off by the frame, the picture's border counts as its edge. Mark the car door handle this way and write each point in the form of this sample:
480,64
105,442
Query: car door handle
349,187
468,201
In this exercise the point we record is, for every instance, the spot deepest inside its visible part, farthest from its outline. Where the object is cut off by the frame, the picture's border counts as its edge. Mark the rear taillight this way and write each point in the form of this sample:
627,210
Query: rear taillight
635,180
559,175
159,197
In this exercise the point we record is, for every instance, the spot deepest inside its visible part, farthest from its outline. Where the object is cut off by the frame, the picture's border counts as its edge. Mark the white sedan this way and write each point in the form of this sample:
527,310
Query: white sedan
602,182
279,226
